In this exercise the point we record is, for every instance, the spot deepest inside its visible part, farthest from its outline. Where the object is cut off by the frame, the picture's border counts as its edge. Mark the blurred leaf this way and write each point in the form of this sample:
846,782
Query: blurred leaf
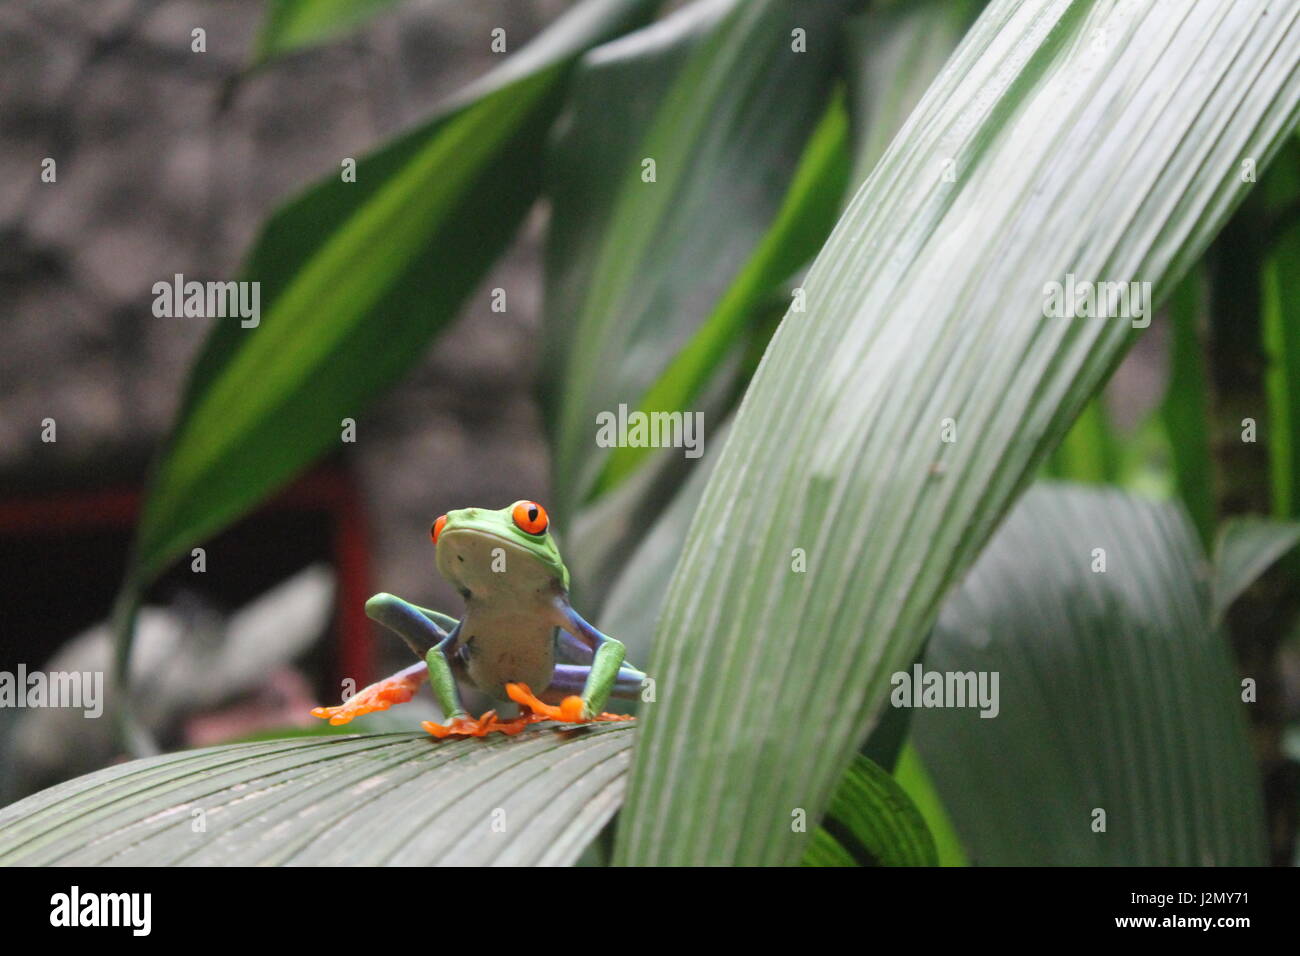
1090,450
355,279
802,224
1185,410
631,611
895,50
189,659
884,745
872,822
392,799
825,850
716,97
1245,549
916,783
1112,160
1115,692
1281,333
293,24
1145,458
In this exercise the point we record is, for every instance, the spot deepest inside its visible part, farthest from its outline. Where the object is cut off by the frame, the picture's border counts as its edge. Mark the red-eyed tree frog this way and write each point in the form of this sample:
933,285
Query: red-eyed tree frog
518,632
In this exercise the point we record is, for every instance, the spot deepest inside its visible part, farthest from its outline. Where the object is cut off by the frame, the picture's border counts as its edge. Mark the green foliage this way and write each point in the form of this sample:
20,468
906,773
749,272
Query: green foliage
836,449
1039,150
871,821
716,98
294,24
396,799
916,782
796,233
1245,549
1089,451
1116,694
1281,282
894,51
1185,410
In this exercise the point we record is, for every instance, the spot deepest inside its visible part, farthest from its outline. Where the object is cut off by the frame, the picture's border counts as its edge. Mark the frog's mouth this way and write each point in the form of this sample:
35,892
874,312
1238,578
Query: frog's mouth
453,536
466,562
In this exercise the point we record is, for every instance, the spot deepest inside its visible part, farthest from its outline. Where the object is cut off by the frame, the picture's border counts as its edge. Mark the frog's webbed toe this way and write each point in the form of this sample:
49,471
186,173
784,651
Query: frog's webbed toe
487,724
570,710
381,695
462,726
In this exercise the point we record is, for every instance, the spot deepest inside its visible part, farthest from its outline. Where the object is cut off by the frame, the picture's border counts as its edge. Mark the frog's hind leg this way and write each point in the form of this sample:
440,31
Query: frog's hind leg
607,659
381,695
570,650
570,679
559,701
419,629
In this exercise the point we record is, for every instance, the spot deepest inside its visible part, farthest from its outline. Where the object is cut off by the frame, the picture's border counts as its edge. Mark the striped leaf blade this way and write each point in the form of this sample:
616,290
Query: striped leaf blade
1120,736
1089,138
379,799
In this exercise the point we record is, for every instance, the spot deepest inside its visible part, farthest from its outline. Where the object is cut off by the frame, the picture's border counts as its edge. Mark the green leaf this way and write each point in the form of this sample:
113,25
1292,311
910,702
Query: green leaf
917,784
1245,549
825,850
874,822
801,225
631,610
355,280
895,51
293,24
1115,694
394,799
1281,332
1112,160
1090,450
716,97
1185,410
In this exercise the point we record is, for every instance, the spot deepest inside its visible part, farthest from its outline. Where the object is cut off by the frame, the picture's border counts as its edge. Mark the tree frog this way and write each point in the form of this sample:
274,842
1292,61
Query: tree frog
518,632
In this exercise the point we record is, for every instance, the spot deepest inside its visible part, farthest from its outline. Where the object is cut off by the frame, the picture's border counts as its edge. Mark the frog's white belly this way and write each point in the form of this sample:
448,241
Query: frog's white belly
507,646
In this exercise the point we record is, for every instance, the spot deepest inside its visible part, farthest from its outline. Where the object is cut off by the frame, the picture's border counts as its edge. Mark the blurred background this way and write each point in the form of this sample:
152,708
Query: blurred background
155,178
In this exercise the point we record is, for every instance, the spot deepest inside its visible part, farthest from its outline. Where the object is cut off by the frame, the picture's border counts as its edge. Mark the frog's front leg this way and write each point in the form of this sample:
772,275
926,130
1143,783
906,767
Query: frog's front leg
420,628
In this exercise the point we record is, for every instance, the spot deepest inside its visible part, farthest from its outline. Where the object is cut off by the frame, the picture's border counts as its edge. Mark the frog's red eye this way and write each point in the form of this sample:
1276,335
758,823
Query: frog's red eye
437,528
529,516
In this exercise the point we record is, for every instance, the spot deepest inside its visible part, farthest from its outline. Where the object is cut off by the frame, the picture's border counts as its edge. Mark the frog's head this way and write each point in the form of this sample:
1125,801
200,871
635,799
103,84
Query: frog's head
486,553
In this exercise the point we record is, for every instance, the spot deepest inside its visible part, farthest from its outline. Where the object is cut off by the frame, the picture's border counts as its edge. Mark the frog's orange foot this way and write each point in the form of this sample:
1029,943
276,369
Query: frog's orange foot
487,724
524,697
397,689
569,710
